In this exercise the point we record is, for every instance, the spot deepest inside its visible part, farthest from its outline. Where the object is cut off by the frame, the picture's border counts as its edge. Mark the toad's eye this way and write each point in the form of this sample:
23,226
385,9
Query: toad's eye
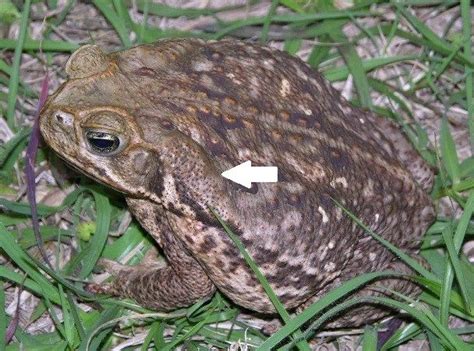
102,143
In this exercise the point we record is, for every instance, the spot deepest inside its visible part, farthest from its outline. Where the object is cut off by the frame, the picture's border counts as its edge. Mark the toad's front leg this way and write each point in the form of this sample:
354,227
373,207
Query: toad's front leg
180,283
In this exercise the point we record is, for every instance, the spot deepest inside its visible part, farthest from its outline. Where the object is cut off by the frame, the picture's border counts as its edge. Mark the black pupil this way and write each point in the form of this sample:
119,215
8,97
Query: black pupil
102,142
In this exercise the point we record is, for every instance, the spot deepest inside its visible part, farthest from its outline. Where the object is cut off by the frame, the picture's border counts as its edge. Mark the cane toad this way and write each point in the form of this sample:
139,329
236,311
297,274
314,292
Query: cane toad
161,122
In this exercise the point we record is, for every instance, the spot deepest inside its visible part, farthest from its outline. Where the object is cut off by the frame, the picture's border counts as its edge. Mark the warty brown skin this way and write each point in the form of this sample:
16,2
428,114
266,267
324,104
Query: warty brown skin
185,111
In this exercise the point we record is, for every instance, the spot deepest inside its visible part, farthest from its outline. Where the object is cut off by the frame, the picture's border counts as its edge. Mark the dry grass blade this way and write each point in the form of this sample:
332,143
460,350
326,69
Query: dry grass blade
31,152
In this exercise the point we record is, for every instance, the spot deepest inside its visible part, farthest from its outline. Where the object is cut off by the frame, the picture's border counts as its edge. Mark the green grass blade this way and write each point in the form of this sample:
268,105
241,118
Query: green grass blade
29,284
144,25
122,12
449,277
419,41
413,264
318,54
292,5
423,315
70,331
101,329
292,18
7,148
355,66
435,40
341,73
448,152
15,69
369,339
292,46
317,307
53,315
401,336
466,7
3,318
97,244
75,315
453,245
268,21
23,261
464,222
446,288
24,208
5,68
456,301
163,10
155,334
36,45
114,20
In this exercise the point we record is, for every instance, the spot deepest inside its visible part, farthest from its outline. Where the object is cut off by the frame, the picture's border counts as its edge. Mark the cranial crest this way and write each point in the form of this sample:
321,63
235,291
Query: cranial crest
87,61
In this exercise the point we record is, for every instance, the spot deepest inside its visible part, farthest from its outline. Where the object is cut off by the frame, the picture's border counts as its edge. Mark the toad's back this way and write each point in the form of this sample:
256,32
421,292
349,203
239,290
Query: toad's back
242,102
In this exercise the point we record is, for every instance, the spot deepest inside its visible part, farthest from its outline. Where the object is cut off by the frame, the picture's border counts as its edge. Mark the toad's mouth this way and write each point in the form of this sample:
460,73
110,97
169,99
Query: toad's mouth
96,174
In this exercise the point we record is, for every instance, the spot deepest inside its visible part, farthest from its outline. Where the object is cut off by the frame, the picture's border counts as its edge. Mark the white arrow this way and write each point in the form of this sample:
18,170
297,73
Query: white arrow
244,174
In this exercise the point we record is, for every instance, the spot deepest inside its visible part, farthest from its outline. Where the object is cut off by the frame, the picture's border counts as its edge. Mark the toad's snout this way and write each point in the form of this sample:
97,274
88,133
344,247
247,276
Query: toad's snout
57,128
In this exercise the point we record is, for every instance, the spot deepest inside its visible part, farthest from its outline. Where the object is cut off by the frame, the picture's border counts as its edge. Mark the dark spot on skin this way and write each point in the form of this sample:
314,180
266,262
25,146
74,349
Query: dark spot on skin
208,244
302,120
203,217
275,278
145,72
303,281
286,297
229,100
219,263
240,188
233,267
283,175
209,118
166,124
326,202
208,52
189,239
216,147
200,212
251,281
225,84
173,209
247,242
315,261
296,200
155,184
273,204
397,185
263,255
264,136
284,273
101,172
229,251
235,229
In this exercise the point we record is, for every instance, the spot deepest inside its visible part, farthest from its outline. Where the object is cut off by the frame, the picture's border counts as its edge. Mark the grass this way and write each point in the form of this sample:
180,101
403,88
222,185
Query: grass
440,64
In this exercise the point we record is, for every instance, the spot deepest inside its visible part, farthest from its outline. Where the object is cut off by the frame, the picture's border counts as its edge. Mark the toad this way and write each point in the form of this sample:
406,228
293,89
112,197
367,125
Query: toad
160,123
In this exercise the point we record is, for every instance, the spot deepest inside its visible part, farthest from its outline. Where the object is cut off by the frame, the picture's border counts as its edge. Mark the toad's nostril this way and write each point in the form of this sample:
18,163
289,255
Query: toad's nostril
59,118
64,118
